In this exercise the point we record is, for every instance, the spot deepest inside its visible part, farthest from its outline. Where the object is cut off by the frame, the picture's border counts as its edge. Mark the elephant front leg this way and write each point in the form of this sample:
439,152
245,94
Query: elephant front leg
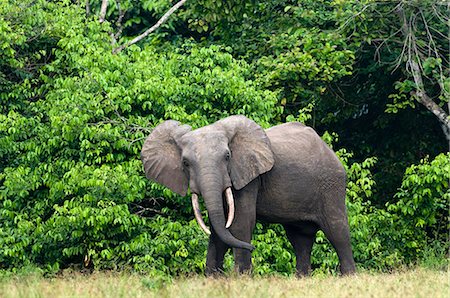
244,224
216,253
243,260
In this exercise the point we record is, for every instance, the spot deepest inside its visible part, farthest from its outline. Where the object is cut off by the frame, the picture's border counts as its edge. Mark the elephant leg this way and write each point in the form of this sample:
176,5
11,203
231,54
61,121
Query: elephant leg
216,253
336,229
334,223
243,257
339,235
302,242
244,224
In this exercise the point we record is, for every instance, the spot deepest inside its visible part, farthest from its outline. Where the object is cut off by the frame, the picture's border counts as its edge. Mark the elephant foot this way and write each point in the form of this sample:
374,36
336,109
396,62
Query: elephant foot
348,270
214,272
303,273
243,270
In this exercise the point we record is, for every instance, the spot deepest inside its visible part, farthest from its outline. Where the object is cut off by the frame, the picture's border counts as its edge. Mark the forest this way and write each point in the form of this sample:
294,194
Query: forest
84,82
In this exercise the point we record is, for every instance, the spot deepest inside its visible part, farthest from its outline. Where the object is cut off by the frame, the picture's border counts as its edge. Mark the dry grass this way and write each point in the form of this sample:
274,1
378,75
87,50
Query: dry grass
412,283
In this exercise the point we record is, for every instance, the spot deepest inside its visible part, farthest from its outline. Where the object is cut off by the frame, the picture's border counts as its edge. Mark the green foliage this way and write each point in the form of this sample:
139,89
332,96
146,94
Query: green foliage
435,256
301,63
423,200
273,252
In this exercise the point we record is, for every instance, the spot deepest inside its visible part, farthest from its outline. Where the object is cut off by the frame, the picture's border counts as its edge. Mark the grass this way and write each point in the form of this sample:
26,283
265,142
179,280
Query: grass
411,283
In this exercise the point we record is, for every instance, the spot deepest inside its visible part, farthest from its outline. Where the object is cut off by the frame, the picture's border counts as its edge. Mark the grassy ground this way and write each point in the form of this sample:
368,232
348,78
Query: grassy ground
412,283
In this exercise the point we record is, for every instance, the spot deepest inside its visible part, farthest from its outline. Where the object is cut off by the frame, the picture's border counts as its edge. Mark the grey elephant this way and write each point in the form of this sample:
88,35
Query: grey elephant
285,174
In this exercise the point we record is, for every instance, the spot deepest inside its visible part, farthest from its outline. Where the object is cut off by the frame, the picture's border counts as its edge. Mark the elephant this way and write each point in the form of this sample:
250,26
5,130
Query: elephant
286,174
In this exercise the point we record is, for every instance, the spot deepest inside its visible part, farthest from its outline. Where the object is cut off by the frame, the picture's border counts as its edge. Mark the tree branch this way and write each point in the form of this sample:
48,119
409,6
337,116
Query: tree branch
424,99
103,10
115,36
119,21
446,91
161,21
88,8
416,70
141,209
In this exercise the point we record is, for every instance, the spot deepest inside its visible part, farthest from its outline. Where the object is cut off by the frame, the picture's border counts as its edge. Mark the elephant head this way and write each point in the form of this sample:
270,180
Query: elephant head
211,159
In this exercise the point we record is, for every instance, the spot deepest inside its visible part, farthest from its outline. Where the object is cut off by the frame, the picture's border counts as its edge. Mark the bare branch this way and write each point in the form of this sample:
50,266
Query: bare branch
342,27
119,21
440,33
433,107
88,8
446,91
405,33
424,99
441,17
115,36
141,209
377,55
339,94
145,209
415,68
161,21
433,48
103,10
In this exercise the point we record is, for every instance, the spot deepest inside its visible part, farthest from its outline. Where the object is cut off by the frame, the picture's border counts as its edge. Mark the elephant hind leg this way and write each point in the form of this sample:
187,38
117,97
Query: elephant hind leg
302,242
334,223
336,229
339,236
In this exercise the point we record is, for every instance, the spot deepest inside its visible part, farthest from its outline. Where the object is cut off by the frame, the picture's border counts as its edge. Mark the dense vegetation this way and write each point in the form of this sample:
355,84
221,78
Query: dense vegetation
371,77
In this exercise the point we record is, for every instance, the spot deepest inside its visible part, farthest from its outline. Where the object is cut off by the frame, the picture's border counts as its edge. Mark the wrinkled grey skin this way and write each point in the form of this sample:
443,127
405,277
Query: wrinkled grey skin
285,174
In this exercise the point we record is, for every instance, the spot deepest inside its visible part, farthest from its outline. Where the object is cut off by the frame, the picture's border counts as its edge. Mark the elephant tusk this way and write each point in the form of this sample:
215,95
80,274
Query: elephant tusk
198,215
230,202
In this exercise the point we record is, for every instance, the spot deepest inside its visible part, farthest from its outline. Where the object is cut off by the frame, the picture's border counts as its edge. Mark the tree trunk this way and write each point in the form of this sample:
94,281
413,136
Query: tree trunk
424,99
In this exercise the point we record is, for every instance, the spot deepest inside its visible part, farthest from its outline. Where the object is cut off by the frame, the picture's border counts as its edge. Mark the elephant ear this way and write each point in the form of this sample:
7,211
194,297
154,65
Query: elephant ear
251,153
161,156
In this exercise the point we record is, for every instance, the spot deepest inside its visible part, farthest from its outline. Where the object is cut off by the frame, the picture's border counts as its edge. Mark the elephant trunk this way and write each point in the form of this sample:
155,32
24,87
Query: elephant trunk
198,214
214,205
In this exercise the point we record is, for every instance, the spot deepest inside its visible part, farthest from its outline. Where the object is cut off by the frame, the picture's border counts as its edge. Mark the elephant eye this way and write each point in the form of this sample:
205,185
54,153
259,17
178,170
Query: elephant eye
185,163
